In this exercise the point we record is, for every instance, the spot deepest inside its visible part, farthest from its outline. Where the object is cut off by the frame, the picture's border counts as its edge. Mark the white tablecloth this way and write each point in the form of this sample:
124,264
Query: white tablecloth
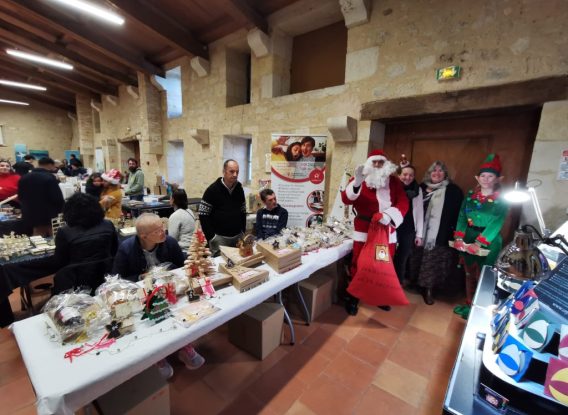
63,387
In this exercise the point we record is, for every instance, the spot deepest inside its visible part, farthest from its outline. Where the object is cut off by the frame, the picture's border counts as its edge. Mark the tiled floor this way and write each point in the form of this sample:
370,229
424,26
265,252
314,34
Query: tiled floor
378,362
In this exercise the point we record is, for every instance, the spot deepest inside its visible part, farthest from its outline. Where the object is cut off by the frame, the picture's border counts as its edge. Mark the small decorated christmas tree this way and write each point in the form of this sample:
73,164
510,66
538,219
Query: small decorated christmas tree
157,308
199,263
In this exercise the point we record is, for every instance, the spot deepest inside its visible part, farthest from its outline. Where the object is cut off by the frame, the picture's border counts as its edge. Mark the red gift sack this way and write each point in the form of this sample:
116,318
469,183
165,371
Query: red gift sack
375,282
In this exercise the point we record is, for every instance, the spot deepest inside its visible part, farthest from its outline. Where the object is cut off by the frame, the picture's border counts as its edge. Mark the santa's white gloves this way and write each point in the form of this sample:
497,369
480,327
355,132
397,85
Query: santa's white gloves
359,176
385,220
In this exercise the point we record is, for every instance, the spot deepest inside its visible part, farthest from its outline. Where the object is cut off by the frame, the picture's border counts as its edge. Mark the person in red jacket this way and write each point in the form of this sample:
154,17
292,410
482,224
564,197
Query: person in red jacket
8,180
374,189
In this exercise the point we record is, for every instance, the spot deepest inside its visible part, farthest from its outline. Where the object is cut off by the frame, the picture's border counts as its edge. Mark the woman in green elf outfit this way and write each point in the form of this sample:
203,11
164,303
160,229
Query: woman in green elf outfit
481,218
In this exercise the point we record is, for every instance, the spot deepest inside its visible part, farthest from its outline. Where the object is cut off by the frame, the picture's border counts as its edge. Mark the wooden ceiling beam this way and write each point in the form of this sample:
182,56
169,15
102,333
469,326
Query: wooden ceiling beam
44,100
58,95
83,33
172,32
241,9
43,78
19,36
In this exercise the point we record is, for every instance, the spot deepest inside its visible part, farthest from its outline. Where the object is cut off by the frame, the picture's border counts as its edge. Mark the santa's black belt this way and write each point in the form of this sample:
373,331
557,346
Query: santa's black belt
365,218
478,228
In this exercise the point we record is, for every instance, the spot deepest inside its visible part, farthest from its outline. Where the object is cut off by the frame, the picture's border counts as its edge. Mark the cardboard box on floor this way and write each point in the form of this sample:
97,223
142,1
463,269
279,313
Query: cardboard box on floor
317,291
145,394
258,331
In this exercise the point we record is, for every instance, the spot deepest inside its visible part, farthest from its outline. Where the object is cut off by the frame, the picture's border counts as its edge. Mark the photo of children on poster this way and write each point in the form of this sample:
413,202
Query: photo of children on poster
298,176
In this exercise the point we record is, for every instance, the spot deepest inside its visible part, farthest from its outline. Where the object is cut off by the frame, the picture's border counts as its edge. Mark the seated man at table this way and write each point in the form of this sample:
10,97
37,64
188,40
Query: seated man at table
151,246
271,219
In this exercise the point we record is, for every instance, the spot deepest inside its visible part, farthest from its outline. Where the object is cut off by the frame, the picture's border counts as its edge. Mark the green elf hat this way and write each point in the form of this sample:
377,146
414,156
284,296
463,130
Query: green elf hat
492,164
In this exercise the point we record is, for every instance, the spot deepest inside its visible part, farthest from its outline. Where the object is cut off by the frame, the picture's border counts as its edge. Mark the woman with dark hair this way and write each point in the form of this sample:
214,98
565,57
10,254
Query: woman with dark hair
294,151
87,238
87,235
181,223
94,186
409,233
433,263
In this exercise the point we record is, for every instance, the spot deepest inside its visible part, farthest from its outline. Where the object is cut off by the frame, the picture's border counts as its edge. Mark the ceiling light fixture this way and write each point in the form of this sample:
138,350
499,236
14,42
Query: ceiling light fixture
38,59
22,85
93,10
7,101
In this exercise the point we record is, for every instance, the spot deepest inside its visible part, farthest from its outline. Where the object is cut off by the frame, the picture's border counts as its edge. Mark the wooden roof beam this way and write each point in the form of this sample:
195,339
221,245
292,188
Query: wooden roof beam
41,77
241,9
17,35
171,31
44,100
83,33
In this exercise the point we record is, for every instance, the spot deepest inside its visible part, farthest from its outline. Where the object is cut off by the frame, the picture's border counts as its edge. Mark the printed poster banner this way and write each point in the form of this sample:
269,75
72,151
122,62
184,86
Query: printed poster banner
298,176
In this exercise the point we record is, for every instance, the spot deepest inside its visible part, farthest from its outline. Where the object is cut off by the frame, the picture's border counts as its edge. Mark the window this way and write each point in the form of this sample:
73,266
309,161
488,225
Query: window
239,148
172,85
238,78
318,58
96,121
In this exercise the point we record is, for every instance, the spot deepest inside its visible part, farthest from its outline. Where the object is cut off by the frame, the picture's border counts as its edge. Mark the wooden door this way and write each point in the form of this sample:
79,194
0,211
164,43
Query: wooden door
463,142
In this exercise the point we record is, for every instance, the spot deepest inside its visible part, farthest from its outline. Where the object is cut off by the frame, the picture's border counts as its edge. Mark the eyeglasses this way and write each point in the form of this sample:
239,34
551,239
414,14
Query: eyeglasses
156,231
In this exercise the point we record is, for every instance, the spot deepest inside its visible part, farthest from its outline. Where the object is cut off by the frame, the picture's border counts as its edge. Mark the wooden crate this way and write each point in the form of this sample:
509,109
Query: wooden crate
245,278
233,254
282,259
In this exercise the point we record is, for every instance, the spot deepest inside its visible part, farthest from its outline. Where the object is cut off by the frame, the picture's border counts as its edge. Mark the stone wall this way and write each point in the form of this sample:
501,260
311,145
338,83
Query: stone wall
39,126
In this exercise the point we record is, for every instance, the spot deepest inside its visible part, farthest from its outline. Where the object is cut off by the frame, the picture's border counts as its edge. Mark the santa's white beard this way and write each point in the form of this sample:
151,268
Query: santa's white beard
375,177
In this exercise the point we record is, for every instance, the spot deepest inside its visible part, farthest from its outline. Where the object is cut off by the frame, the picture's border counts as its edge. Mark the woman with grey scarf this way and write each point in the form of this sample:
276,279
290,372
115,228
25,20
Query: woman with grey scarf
433,263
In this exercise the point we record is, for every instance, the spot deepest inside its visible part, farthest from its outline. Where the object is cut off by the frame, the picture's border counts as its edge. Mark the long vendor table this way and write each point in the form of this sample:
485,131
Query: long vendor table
63,387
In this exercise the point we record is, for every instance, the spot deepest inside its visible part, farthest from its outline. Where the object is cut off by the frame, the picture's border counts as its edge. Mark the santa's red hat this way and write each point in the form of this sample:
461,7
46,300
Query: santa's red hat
377,155
492,164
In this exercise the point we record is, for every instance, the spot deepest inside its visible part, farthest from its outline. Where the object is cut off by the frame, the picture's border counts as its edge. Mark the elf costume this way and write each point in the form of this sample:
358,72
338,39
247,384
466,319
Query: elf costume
480,221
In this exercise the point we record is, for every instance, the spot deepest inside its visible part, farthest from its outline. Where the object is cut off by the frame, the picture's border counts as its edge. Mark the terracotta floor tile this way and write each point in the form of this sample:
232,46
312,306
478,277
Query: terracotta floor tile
283,399
435,393
402,383
244,404
379,332
327,396
397,318
192,399
376,401
337,321
298,408
367,350
326,343
414,297
26,410
17,394
417,350
231,377
313,366
434,319
351,371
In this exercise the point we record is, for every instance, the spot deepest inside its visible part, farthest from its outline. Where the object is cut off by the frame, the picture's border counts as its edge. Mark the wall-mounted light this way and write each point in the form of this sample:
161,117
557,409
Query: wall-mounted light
22,85
39,59
93,10
7,101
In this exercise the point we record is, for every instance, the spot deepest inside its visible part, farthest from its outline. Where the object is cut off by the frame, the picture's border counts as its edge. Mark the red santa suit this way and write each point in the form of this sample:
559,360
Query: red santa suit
389,199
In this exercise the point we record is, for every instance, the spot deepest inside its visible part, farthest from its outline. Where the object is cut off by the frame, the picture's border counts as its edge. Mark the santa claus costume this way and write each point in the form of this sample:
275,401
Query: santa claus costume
374,190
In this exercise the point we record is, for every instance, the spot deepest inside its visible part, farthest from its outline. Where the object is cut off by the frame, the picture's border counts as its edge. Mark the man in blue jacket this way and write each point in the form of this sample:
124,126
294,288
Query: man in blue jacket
137,255
151,246
272,218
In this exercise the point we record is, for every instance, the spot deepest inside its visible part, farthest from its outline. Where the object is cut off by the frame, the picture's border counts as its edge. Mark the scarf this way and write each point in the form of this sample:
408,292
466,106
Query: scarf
433,214
411,190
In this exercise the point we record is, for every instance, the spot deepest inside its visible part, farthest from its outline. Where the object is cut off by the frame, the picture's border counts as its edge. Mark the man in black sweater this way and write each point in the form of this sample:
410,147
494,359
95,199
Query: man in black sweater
40,197
272,218
222,210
